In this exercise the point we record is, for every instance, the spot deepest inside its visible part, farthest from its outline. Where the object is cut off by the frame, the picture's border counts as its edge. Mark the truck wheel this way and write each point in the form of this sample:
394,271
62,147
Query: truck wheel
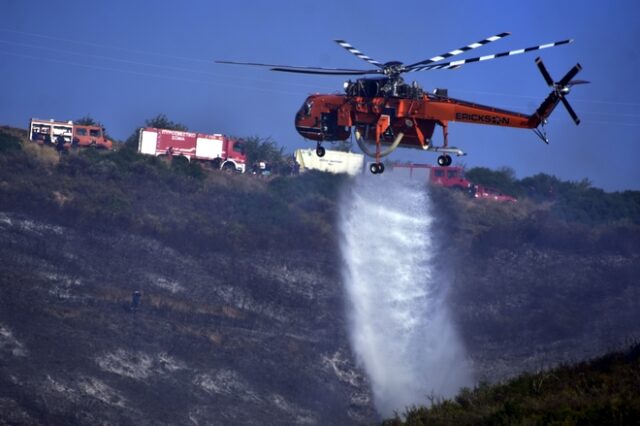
229,168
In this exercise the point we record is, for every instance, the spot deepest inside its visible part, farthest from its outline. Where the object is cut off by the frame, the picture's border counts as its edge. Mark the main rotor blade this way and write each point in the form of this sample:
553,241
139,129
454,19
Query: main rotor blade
568,76
570,110
545,73
456,64
304,70
325,71
358,53
460,50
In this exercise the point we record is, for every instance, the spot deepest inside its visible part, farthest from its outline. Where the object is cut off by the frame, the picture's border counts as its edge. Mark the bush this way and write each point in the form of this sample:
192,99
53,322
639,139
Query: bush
601,391
9,142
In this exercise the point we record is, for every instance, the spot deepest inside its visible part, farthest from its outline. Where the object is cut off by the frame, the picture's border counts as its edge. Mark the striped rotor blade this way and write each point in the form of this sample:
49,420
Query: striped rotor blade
460,50
456,64
572,73
544,72
304,70
358,53
570,110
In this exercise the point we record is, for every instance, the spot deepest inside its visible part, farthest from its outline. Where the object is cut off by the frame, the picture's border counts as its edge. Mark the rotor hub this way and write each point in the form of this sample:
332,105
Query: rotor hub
393,69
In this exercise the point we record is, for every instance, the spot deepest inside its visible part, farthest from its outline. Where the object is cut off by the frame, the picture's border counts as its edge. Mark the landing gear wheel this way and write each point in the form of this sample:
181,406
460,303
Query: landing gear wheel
376,168
320,151
444,160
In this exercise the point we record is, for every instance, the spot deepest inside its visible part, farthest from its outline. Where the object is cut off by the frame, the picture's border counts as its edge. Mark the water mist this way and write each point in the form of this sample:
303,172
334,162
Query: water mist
401,329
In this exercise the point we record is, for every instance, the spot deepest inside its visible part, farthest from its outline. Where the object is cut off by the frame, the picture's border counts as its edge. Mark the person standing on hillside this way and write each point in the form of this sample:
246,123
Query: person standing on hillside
60,144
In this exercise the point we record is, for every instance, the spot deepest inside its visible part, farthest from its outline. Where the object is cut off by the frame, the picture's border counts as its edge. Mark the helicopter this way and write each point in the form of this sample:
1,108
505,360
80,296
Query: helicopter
386,111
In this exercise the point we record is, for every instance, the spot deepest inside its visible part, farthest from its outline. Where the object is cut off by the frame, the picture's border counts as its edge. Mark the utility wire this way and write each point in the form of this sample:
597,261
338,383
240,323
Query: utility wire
124,49
147,64
145,74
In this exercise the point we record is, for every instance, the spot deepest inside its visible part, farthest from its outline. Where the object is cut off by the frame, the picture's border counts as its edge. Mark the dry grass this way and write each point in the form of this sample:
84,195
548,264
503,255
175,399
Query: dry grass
61,199
45,154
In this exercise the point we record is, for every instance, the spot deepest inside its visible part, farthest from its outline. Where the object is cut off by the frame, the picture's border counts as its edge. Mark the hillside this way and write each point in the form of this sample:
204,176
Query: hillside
242,315
240,319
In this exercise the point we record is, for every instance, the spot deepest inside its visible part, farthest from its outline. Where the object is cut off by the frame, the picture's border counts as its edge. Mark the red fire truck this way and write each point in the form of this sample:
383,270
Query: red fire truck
220,151
48,131
453,177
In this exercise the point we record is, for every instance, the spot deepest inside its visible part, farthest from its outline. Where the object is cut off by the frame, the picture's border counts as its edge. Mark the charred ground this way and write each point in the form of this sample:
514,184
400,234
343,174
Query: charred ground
242,314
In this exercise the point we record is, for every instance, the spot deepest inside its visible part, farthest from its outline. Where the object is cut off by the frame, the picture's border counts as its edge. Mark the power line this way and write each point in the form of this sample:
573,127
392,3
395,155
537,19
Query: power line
147,64
124,49
144,74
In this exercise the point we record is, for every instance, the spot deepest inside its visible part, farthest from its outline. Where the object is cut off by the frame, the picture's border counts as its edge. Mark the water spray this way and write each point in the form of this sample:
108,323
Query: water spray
401,330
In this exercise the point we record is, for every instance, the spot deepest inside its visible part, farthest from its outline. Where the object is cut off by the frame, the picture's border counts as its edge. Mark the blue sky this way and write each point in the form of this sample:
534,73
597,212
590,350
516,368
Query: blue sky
123,62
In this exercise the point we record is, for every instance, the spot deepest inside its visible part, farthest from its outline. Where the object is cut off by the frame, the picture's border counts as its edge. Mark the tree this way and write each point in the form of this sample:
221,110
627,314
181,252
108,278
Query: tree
265,149
161,121
87,120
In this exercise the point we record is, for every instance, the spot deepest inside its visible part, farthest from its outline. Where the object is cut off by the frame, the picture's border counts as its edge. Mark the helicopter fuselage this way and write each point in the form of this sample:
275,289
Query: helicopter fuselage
410,111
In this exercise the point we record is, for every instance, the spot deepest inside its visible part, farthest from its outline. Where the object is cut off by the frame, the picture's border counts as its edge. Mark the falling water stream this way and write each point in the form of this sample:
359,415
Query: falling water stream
401,329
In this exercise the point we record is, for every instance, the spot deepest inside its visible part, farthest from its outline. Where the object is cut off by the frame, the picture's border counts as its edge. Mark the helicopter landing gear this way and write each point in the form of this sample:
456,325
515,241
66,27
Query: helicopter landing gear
320,151
444,160
376,168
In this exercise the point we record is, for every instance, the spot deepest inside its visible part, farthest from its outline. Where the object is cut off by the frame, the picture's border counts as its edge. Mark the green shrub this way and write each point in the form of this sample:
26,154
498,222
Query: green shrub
9,142
601,391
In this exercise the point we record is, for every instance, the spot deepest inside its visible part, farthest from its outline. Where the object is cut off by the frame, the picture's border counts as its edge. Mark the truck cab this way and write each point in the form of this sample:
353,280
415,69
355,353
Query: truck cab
90,136
449,177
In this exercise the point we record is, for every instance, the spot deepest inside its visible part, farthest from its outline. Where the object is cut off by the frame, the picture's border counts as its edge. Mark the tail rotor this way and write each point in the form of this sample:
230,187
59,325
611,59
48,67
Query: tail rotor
560,88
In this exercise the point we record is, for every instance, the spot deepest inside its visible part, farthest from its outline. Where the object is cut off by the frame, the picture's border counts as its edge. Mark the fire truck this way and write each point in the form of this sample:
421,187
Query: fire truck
453,177
48,131
217,150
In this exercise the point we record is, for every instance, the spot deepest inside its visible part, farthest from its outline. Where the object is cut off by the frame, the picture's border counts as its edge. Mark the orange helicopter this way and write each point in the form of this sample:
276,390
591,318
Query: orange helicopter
388,112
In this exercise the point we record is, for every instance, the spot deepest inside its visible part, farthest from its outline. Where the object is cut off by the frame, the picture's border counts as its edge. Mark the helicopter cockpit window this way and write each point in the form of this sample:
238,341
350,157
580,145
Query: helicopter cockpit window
306,108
